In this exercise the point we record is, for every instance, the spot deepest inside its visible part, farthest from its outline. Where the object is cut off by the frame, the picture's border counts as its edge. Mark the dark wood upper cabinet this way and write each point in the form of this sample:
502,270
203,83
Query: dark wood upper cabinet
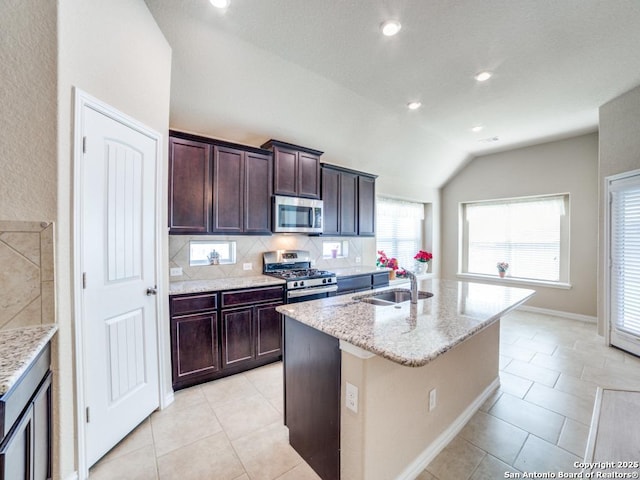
348,201
218,187
189,186
366,205
296,170
228,190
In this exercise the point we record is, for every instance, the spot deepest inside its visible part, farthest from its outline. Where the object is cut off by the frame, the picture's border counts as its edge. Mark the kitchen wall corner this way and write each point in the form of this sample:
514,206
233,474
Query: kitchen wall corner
27,288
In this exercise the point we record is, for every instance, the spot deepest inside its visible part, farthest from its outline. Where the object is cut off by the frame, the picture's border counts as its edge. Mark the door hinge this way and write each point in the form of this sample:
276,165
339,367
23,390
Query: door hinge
84,144
84,280
87,414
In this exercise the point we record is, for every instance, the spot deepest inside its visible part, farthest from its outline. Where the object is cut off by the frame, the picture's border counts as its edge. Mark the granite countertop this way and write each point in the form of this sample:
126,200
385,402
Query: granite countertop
358,270
18,349
231,283
457,311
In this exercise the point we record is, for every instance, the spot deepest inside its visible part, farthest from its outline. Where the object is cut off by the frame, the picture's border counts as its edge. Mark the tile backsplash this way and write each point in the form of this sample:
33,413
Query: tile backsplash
27,276
249,249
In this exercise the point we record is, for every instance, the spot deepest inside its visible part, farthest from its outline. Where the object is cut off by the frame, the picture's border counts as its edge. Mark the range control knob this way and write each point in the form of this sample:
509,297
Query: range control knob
302,284
295,284
324,280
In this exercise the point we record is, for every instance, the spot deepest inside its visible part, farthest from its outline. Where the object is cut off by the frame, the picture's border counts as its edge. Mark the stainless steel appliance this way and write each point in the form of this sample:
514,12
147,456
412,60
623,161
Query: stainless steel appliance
303,282
297,215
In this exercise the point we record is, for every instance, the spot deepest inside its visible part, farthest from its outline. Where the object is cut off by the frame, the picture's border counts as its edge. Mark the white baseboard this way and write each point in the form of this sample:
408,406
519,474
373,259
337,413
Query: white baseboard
425,458
167,400
558,313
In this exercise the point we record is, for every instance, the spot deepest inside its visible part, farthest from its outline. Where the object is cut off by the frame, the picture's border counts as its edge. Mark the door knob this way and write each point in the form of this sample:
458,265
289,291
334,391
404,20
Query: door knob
152,290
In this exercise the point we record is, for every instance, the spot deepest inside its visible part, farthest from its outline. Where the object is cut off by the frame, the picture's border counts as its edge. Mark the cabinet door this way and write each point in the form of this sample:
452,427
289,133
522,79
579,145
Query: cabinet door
285,162
308,175
189,186
194,348
269,330
257,199
238,339
348,203
331,201
366,206
42,439
228,189
16,455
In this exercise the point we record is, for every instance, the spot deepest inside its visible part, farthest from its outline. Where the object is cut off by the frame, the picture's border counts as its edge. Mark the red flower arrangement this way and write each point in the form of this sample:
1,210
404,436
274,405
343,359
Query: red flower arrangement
384,261
422,256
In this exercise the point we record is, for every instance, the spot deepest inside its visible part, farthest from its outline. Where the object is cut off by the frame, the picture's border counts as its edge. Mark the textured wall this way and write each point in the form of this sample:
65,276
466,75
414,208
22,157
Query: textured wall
566,166
28,54
619,153
114,51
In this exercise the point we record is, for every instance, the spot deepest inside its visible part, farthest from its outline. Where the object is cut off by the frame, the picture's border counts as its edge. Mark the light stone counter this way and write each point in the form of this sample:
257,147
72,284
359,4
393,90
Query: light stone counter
232,283
457,311
18,348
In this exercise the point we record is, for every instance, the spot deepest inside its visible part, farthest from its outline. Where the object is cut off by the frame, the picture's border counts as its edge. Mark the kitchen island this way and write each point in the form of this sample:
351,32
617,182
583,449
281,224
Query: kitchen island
412,378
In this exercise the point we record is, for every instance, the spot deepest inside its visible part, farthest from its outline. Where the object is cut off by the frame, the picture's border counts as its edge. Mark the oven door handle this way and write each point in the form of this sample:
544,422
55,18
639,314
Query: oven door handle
305,292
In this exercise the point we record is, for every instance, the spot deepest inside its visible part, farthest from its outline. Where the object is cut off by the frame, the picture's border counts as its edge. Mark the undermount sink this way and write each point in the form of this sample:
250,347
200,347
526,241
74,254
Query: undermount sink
391,297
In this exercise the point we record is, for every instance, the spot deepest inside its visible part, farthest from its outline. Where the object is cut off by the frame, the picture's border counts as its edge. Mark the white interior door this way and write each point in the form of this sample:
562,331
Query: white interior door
118,242
624,263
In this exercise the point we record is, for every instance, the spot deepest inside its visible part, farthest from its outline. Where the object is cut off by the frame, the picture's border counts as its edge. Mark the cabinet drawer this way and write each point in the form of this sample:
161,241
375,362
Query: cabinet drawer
250,296
359,282
194,303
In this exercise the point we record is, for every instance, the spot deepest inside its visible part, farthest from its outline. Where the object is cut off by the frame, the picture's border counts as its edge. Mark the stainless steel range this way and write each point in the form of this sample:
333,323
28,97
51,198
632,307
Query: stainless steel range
303,282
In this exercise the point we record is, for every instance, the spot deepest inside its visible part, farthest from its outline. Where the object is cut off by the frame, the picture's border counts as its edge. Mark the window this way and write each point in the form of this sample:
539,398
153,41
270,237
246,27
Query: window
399,229
335,249
530,234
211,253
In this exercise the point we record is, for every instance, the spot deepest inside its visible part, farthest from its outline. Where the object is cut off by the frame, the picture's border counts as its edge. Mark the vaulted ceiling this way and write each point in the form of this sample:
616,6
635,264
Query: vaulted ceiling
320,73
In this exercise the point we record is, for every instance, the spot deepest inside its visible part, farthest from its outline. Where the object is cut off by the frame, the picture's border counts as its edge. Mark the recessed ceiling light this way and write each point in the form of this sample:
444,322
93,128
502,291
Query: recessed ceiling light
477,128
390,28
489,140
220,3
414,105
483,76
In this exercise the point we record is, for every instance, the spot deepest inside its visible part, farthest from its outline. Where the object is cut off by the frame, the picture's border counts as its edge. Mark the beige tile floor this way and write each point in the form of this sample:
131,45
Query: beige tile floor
537,421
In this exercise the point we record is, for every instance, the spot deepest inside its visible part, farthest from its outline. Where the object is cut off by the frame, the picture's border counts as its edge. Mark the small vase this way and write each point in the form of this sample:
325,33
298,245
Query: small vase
392,274
421,267
502,274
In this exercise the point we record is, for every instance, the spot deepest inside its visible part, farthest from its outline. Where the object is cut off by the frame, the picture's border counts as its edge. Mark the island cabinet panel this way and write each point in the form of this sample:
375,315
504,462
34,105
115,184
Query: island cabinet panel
312,384
363,282
189,186
211,339
296,169
26,409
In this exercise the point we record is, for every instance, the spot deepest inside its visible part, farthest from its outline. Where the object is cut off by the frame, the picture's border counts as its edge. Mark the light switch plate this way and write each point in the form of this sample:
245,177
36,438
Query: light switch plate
247,266
175,271
352,397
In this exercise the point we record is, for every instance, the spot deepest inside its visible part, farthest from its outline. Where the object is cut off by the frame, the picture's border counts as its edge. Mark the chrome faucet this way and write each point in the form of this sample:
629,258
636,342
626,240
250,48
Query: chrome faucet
414,286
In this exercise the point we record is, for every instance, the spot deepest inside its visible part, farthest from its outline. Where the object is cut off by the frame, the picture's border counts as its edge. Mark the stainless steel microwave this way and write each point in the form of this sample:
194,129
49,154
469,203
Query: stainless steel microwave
296,215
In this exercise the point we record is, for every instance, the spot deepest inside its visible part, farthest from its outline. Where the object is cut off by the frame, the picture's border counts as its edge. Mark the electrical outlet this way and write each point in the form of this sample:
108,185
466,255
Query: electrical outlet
175,271
358,259
352,397
247,266
432,399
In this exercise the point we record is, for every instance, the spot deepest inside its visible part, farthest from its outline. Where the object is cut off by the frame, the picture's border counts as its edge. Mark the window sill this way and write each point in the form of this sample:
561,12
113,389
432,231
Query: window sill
514,281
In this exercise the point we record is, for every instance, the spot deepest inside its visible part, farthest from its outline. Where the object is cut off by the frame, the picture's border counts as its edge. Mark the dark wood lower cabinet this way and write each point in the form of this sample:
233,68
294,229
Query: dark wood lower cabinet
312,363
194,348
216,334
25,450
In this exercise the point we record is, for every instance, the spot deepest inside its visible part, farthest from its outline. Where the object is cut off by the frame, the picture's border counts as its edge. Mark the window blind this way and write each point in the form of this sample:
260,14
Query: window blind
525,233
399,229
625,256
